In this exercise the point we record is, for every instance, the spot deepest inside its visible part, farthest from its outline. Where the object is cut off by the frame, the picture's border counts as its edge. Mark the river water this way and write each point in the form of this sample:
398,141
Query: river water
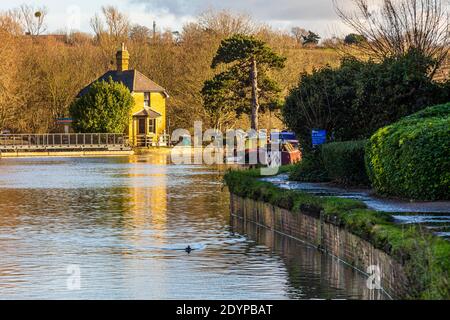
116,228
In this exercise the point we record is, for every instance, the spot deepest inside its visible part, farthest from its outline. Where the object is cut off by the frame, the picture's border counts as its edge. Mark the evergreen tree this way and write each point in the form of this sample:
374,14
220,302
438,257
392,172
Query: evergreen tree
106,108
247,61
311,38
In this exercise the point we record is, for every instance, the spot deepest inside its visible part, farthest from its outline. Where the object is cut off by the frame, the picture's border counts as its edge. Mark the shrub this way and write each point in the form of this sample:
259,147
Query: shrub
439,111
353,101
354,38
310,169
340,162
344,162
411,158
106,108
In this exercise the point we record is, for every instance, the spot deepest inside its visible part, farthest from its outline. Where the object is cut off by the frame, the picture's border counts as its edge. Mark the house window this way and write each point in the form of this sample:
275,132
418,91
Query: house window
152,125
147,99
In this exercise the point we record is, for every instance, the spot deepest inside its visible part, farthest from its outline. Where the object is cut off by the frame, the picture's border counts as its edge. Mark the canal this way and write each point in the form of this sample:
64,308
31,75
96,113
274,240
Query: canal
116,228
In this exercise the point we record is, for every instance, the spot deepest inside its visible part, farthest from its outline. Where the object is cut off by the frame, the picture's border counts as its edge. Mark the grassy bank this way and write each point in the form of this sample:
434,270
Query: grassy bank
426,258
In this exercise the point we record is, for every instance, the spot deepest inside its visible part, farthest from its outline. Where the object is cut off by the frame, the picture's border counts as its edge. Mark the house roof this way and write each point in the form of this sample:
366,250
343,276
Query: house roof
132,79
147,112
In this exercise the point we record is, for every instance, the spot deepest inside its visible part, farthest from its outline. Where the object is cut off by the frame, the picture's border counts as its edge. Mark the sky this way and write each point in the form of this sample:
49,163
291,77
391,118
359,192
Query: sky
315,15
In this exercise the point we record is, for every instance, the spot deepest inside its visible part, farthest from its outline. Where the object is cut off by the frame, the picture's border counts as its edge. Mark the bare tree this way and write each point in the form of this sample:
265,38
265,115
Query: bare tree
225,23
113,23
31,19
140,33
110,30
299,34
117,23
97,26
10,24
393,27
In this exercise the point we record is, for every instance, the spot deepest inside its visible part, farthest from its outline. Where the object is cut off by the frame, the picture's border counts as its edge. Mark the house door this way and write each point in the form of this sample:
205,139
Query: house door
141,126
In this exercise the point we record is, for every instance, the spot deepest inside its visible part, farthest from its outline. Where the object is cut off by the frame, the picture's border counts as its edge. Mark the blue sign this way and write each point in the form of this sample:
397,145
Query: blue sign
64,120
319,137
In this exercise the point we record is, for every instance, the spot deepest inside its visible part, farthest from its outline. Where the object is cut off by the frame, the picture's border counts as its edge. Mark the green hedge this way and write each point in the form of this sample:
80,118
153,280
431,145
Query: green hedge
411,158
344,162
340,162
426,258
310,169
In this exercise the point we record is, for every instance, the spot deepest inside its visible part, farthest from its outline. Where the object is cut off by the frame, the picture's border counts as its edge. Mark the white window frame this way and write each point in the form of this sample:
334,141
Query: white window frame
147,101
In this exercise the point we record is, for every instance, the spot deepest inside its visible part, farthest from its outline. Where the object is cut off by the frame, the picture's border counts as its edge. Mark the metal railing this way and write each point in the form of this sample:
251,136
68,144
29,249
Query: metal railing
62,141
145,140
152,140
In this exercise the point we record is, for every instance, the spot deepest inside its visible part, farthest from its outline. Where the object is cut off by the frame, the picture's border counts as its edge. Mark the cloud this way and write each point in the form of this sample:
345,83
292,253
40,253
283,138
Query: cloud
267,10
316,15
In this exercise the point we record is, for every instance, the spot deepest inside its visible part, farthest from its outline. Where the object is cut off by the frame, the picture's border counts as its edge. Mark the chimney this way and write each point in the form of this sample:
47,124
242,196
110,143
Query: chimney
122,58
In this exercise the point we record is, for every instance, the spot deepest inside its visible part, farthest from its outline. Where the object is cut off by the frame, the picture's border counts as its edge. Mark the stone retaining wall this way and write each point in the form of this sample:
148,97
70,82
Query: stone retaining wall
311,227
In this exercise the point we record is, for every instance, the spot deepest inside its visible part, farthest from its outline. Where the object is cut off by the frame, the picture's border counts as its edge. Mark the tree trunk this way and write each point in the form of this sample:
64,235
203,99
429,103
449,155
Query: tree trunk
255,100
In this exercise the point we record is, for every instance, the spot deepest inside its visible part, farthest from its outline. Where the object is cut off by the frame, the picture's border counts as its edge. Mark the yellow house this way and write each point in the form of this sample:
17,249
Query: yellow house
148,117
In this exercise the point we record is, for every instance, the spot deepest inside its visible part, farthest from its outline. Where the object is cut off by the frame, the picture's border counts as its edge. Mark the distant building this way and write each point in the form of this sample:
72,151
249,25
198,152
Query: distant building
148,120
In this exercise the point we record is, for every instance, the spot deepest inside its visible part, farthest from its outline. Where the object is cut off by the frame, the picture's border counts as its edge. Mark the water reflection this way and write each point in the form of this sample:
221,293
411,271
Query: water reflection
125,223
311,273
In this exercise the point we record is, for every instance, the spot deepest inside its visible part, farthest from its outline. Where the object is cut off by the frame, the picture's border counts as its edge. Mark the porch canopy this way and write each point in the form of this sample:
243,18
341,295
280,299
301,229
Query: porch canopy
147,112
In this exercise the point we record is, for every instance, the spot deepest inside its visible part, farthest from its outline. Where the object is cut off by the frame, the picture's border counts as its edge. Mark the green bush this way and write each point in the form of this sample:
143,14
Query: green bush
340,162
354,38
358,98
310,169
425,258
411,158
344,162
106,108
439,111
